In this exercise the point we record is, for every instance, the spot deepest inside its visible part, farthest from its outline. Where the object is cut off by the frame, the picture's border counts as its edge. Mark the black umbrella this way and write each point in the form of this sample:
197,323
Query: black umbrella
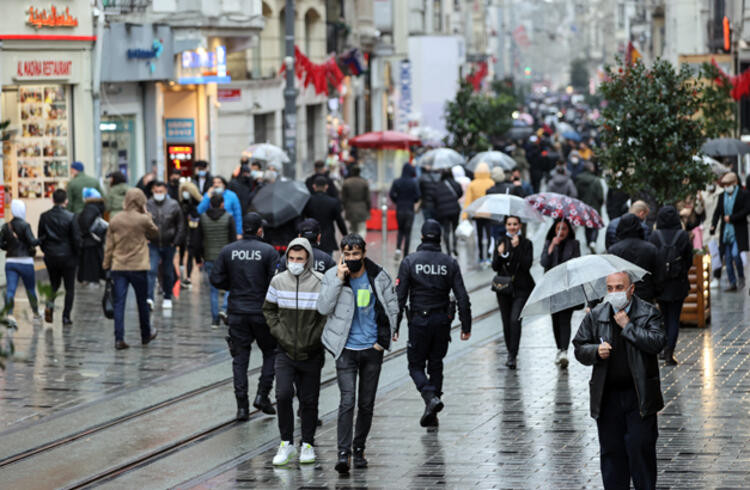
725,147
281,201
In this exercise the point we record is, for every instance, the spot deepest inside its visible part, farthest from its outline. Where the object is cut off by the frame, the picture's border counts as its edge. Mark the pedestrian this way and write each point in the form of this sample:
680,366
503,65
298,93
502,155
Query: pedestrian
502,186
459,175
231,201
560,245
517,181
426,279
126,256
201,178
242,185
620,338
327,211
478,188
215,231
320,171
632,246
428,181
115,198
591,192
359,300
675,256
310,229
291,312
639,209
168,218
78,181
60,240
405,194
92,249
189,198
146,182
575,164
448,210
18,241
355,198
616,202
245,268
731,212
511,260
560,182
173,185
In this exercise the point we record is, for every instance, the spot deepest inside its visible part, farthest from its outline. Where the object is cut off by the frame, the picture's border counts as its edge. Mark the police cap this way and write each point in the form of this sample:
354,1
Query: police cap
431,230
251,223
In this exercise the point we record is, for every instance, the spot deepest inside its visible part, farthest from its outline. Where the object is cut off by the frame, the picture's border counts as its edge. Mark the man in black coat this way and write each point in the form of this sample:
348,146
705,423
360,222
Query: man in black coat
326,210
242,185
632,247
620,338
732,210
638,208
320,170
60,240
428,183
202,179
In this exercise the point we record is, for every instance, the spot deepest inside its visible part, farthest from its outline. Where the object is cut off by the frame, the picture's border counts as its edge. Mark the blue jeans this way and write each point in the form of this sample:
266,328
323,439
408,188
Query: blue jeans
732,259
120,282
208,266
14,270
165,257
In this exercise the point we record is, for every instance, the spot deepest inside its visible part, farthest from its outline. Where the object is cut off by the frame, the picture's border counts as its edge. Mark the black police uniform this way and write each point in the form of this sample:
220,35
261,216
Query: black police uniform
322,261
426,278
245,268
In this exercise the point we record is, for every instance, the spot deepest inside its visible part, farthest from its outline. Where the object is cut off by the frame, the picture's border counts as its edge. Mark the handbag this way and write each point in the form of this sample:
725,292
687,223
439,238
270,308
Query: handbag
108,305
502,285
98,229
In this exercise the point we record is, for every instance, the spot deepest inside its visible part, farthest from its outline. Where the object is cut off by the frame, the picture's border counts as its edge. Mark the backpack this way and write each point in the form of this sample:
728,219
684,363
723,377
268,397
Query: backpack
670,262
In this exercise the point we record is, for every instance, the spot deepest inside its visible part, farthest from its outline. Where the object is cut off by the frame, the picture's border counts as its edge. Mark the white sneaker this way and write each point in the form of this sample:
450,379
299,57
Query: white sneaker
150,304
307,454
285,453
714,284
166,304
562,359
397,255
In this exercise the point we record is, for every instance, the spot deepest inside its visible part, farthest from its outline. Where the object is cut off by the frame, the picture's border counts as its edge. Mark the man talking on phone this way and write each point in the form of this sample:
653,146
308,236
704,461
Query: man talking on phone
621,338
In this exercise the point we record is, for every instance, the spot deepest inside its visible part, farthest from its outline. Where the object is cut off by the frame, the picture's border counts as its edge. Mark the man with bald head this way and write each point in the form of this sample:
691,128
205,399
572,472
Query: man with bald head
731,211
621,338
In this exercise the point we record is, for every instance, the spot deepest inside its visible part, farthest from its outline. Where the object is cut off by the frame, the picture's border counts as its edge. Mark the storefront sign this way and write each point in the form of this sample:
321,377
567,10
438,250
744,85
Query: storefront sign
201,67
43,69
137,53
147,54
180,130
39,18
229,94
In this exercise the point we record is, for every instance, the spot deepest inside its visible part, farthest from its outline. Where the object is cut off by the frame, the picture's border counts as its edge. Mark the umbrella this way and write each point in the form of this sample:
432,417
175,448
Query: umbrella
493,159
386,140
281,201
572,135
441,158
717,167
526,117
519,132
267,152
497,206
575,282
563,127
559,206
725,147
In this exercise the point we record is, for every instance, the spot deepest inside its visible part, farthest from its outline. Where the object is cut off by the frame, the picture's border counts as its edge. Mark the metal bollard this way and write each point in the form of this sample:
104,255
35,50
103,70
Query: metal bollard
384,231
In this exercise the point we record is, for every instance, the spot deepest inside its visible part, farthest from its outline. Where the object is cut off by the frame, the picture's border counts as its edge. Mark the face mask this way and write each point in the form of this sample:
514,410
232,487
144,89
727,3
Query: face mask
618,300
256,174
159,197
729,189
296,268
201,173
186,195
354,265
271,175
219,191
574,160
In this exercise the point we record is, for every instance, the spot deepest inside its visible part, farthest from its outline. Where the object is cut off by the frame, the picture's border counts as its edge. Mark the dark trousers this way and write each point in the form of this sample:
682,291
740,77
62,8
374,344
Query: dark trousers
483,230
627,442
510,311
592,234
405,220
429,337
243,331
561,328
164,257
184,250
62,270
120,282
304,376
365,363
449,225
670,311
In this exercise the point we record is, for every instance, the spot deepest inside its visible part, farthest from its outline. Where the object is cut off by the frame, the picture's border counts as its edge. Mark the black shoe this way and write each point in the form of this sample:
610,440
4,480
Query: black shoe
511,362
663,355
48,313
223,317
263,403
342,466
731,288
154,333
434,423
359,458
120,345
67,322
432,405
243,414
669,357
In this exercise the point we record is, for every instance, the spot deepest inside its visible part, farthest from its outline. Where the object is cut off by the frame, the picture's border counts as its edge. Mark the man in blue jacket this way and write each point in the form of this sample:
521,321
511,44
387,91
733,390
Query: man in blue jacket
231,202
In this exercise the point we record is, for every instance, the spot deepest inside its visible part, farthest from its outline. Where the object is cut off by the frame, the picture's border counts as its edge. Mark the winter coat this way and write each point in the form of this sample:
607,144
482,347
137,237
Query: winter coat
19,243
447,194
617,203
632,247
561,184
231,204
126,245
75,191
327,210
242,186
478,187
516,263
94,208
115,199
611,237
59,234
405,190
566,250
336,301
331,190
355,198
589,189
738,218
291,310
215,230
168,217
190,214
506,188
667,226
643,337
428,181
207,183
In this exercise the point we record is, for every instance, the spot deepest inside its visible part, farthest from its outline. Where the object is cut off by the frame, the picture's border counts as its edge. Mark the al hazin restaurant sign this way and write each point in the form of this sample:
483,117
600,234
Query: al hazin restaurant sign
39,18
43,69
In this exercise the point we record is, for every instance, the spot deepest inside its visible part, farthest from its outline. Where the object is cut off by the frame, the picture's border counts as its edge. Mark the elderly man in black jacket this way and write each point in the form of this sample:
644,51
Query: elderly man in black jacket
633,247
620,338
326,210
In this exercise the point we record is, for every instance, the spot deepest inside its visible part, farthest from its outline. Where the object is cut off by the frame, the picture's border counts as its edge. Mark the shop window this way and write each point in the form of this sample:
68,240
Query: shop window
118,145
260,133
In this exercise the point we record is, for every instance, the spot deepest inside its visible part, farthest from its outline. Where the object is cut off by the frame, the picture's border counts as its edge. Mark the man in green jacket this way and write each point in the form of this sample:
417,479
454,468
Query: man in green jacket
292,316
78,181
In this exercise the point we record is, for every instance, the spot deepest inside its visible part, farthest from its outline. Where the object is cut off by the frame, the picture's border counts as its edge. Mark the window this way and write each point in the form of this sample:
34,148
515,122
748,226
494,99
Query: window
260,134
437,12
311,125
621,15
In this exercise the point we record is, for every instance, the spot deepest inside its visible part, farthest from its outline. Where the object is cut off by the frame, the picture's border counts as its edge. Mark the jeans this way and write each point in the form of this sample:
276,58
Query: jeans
449,226
304,376
561,328
208,266
62,269
670,311
732,259
405,220
120,282
428,343
243,330
365,363
627,442
510,311
14,271
163,256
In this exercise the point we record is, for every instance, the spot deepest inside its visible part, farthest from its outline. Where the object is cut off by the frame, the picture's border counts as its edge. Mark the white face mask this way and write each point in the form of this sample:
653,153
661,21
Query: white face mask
729,189
159,197
186,195
295,268
618,300
256,174
218,191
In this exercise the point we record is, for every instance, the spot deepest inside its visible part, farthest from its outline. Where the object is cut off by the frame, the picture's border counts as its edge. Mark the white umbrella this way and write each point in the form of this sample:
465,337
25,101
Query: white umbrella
268,153
441,158
497,206
576,282
493,159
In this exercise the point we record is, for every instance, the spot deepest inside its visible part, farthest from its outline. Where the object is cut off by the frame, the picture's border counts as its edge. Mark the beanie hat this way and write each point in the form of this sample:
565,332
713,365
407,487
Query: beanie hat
77,166
91,193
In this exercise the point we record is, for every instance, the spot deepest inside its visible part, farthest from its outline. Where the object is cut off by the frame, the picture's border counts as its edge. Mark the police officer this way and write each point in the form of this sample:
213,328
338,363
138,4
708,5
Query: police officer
310,229
426,279
245,268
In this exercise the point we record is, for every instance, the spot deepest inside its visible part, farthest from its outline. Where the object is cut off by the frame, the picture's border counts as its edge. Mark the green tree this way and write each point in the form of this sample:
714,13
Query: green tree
651,133
579,75
717,105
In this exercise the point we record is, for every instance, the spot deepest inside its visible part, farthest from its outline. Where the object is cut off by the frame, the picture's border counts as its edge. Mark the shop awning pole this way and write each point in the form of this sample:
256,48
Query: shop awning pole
96,88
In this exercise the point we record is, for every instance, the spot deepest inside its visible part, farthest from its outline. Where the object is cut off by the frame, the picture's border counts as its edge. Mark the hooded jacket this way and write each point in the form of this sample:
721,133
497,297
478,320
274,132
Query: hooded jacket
126,245
20,242
231,204
291,311
561,183
590,190
75,191
405,190
114,201
478,187
668,228
632,247
355,197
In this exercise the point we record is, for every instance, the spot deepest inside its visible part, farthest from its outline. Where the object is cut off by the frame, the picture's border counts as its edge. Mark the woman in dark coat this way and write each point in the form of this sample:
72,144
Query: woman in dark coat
447,208
189,199
92,248
672,291
513,257
560,246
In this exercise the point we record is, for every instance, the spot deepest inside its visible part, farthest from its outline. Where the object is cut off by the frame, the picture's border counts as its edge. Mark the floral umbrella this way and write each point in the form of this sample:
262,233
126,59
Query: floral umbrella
559,206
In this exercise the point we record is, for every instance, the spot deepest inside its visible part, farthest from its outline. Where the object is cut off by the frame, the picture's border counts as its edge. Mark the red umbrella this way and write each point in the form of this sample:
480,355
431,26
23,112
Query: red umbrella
559,206
386,140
